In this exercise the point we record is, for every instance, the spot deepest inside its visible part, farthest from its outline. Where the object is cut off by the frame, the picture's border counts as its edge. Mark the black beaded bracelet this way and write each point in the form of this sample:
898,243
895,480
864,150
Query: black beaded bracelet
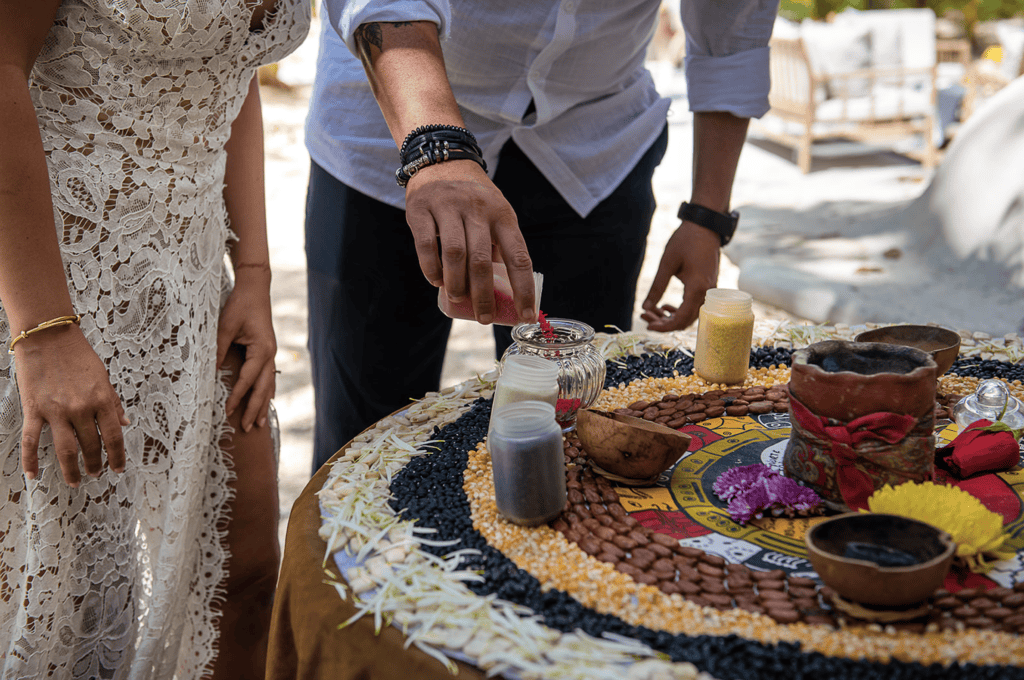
432,144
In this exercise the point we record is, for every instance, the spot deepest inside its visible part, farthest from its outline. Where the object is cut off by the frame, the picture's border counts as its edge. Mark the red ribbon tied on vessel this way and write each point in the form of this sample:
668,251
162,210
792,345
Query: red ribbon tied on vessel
854,484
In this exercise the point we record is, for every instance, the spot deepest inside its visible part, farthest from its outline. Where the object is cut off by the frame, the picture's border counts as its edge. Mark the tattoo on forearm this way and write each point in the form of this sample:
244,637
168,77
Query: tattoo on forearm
371,34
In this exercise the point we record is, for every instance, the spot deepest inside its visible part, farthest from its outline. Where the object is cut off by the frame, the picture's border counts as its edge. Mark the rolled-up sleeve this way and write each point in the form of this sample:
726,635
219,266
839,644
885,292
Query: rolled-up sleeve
727,54
347,15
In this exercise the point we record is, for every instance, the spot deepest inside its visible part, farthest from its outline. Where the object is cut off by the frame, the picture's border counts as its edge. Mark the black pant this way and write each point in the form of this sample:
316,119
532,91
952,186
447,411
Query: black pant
376,337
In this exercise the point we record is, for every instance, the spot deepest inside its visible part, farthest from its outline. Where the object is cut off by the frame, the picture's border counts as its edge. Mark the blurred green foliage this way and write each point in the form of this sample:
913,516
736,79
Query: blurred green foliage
972,11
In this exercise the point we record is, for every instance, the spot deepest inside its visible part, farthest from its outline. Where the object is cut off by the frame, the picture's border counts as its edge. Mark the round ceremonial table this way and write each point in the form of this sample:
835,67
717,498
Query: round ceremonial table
426,467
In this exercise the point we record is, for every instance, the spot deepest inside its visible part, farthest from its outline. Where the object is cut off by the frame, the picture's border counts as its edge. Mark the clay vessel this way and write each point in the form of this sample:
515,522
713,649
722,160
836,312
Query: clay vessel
840,382
942,343
872,377
631,448
867,582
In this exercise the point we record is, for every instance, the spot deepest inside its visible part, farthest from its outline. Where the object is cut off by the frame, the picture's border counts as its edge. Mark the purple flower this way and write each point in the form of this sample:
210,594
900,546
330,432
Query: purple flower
751,490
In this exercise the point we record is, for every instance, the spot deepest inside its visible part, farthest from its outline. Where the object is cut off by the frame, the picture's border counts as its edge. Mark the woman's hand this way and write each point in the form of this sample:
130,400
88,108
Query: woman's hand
246,320
65,385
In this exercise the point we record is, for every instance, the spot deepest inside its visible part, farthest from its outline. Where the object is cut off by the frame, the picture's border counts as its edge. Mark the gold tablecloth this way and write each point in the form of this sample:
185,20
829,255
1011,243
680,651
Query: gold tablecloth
305,641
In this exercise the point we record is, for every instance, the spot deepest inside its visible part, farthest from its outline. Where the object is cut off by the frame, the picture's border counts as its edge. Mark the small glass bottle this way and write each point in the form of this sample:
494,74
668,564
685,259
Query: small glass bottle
724,333
527,462
581,368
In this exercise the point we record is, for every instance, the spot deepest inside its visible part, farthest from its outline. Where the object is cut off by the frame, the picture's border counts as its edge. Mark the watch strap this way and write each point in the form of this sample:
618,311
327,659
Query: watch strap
722,224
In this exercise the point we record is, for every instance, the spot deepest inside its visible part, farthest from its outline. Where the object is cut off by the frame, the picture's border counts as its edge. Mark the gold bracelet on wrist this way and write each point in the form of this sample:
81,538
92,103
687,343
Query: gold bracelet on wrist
52,323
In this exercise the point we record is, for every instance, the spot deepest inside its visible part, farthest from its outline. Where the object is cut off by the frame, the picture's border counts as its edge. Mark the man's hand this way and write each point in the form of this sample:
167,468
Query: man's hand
691,255
457,204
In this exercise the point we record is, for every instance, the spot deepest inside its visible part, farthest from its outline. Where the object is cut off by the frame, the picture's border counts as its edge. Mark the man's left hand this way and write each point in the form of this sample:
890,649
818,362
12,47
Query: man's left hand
691,255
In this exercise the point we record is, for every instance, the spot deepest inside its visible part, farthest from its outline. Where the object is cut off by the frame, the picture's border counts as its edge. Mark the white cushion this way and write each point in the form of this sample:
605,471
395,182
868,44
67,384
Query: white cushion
1011,39
838,48
899,37
786,29
890,103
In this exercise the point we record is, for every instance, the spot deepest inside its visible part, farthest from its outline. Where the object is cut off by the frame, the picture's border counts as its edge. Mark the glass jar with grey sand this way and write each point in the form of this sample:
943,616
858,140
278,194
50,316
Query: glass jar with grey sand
527,462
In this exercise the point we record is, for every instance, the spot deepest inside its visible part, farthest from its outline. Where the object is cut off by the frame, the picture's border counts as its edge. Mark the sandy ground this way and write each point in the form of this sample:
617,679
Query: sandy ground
856,179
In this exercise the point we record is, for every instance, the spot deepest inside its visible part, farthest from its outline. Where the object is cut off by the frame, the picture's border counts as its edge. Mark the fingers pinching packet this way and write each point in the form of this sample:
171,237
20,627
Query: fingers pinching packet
504,305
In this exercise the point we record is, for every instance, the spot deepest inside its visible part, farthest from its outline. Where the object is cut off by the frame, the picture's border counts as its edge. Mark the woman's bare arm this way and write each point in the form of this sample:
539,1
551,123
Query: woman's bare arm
61,380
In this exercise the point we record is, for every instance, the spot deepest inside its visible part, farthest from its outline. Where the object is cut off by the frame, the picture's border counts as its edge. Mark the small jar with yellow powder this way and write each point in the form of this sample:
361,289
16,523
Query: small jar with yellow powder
724,333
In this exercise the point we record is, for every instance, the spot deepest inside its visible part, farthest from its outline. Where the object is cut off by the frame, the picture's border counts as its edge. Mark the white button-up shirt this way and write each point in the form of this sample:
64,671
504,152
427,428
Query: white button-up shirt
580,61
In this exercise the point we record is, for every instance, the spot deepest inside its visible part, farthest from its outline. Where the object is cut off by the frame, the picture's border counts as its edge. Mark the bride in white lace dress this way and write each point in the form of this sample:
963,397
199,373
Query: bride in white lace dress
130,162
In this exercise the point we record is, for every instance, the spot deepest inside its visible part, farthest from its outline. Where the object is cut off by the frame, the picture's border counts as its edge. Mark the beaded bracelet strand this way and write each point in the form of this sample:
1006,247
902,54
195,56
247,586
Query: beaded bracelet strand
52,323
432,144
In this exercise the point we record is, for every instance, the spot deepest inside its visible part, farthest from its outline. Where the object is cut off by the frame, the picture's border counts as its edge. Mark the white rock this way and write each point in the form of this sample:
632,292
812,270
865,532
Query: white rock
361,585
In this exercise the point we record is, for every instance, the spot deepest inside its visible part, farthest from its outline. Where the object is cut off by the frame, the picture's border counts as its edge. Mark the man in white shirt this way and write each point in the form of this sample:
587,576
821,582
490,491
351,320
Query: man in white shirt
552,98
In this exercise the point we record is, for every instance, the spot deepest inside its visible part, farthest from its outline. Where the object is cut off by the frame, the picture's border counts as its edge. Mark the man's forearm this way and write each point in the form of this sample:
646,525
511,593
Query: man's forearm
718,138
405,68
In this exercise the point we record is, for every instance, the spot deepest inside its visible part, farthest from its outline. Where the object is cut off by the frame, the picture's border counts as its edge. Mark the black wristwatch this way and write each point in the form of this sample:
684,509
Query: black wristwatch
720,223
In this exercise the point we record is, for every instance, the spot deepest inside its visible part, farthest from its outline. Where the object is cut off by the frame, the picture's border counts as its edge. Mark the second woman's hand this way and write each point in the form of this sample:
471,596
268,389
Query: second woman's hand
246,320
64,384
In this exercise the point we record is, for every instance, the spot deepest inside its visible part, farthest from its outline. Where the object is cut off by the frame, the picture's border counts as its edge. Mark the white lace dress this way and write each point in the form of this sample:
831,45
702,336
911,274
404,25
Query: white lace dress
135,98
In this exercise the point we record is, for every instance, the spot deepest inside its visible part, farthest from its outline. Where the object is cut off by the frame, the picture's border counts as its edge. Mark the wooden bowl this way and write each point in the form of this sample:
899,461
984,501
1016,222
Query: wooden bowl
631,448
868,583
942,343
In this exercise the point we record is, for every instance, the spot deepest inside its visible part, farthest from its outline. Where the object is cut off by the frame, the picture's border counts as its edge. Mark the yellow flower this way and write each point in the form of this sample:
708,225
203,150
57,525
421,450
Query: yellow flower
977,531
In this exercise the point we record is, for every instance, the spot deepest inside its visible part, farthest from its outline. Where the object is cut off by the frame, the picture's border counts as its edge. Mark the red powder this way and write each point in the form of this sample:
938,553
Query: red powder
546,329
566,405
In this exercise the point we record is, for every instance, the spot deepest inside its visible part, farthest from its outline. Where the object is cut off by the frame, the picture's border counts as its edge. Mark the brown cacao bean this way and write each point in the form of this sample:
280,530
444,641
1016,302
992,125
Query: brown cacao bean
712,586
611,548
708,570
760,407
659,550
965,612
713,560
647,579
801,592
768,595
639,537
628,569
998,613
668,587
771,584
624,542
719,600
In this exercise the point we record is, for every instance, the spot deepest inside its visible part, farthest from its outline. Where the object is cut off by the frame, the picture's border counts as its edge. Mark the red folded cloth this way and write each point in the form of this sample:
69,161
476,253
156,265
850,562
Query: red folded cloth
855,484
983,446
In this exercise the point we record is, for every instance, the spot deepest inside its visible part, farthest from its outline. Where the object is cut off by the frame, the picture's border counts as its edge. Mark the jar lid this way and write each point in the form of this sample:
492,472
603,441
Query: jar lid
991,401
523,419
530,370
728,301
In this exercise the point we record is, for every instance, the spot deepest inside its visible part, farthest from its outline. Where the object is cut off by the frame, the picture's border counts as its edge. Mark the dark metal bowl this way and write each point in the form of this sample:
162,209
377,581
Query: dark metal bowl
942,343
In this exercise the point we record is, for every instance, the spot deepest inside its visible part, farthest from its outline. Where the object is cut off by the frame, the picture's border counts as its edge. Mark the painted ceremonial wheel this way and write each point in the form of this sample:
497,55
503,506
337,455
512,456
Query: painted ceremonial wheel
639,582
684,506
